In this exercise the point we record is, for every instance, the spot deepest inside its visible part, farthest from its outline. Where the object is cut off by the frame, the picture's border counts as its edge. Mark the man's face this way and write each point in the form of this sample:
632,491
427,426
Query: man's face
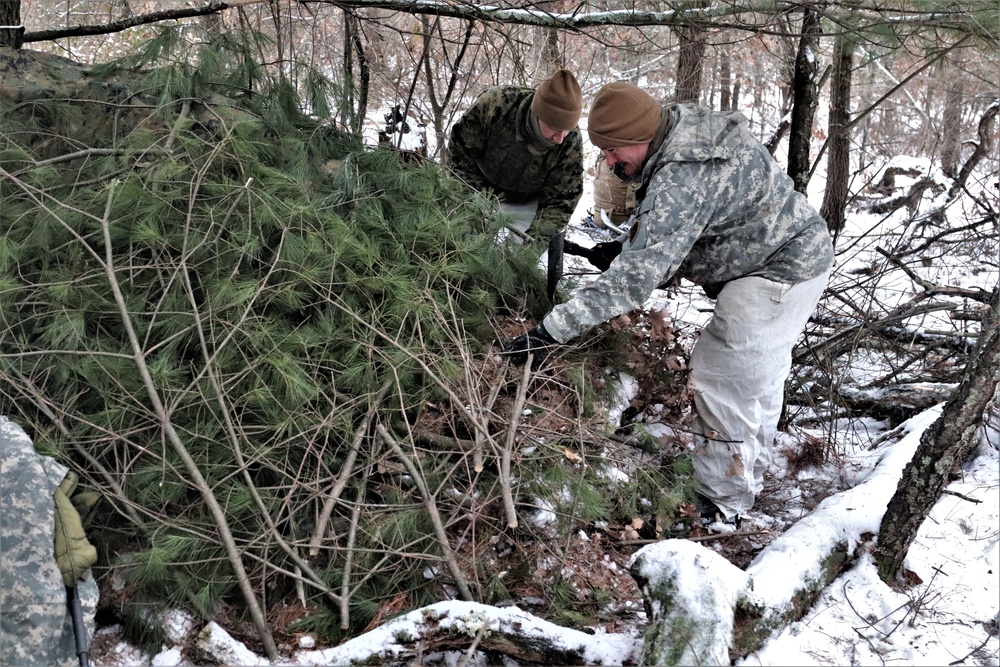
551,134
626,161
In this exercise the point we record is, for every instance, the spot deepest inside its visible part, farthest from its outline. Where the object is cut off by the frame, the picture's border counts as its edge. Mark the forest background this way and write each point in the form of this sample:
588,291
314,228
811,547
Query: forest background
835,90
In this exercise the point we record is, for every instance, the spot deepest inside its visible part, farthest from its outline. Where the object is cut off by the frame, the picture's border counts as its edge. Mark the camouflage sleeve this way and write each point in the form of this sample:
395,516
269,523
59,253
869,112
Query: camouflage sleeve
563,189
468,138
35,626
667,228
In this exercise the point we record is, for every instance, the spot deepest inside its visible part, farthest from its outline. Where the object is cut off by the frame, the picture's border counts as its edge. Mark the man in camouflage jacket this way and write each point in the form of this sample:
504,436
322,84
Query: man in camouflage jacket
715,208
524,145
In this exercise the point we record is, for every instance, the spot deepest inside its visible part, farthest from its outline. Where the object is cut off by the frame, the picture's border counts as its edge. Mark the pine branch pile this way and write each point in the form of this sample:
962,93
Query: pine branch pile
269,348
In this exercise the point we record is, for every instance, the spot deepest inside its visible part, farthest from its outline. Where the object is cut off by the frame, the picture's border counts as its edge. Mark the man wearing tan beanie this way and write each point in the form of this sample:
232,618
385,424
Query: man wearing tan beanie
524,145
713,207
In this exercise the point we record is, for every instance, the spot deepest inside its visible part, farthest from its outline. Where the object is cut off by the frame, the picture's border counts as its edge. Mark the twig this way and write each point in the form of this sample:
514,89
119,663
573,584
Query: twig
976,294
477,451
432,510
225,534
698,538
508,448
134,21
961,495
345,585
345,473
871,624
970,653
473,646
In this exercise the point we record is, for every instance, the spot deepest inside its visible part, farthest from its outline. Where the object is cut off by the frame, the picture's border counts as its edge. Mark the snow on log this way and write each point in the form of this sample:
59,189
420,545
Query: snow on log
705,611
467,626
215,646
690,594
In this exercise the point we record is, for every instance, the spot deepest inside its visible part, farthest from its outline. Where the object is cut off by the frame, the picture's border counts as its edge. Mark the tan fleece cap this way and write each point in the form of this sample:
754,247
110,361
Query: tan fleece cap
622,115
558,101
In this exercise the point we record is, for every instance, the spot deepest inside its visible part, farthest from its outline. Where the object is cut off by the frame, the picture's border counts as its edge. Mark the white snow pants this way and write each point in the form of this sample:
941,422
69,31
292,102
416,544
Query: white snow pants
738,370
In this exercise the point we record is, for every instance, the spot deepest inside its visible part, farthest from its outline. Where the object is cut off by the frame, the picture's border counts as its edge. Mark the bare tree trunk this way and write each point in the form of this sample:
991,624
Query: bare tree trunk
805,93
354,115
439,103
839,158
942,450
11,30
689,60
725,80
549,55
951,127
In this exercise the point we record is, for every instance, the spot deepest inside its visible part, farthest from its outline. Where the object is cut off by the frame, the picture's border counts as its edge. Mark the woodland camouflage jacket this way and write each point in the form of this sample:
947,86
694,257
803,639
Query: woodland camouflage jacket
714,206
493,147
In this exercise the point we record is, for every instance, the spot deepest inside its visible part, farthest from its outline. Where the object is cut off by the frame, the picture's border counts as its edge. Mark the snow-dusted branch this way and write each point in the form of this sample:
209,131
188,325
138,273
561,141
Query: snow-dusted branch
754,16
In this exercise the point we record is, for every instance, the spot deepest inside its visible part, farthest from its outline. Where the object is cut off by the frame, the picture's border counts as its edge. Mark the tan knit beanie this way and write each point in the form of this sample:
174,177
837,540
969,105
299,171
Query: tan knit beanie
558,101
622,115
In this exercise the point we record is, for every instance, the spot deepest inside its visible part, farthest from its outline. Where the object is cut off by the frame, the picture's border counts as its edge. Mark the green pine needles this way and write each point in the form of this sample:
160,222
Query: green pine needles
266,345
224,284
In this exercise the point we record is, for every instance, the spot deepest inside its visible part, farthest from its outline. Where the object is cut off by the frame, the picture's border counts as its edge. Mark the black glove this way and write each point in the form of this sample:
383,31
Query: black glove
601,255
536,340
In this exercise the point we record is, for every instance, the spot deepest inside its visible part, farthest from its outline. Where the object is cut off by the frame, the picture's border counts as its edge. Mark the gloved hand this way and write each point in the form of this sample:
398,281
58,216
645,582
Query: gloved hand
536,340
601,255
74,554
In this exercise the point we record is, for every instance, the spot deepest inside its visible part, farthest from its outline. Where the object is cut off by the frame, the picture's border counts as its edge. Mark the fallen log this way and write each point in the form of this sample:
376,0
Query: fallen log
469,627
703,610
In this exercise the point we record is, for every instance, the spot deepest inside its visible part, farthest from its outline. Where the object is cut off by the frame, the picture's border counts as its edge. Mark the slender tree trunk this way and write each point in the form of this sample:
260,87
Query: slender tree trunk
951,129
805,93
355,115
943,448
550,52
439,102
725,80
12,32
839,158
689,64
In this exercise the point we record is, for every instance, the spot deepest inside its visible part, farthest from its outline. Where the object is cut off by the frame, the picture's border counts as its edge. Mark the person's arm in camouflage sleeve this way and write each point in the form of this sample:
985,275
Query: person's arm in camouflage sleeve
469,136
562,192
673,223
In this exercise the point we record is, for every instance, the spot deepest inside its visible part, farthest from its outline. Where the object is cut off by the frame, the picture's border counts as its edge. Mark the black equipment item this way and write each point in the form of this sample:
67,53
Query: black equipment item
556,245
79,629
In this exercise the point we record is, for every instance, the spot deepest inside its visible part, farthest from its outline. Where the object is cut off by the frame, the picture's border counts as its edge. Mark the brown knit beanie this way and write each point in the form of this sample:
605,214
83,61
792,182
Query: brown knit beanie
622,115
558,101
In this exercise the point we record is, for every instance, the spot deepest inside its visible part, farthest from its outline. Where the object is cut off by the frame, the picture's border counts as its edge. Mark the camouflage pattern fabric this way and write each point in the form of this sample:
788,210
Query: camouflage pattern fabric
496,146
35,625
714,206
93,108
80,105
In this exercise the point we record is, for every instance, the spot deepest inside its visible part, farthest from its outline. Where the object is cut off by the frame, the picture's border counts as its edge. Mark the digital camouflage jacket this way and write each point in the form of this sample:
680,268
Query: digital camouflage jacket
35,624
493,147
714,206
